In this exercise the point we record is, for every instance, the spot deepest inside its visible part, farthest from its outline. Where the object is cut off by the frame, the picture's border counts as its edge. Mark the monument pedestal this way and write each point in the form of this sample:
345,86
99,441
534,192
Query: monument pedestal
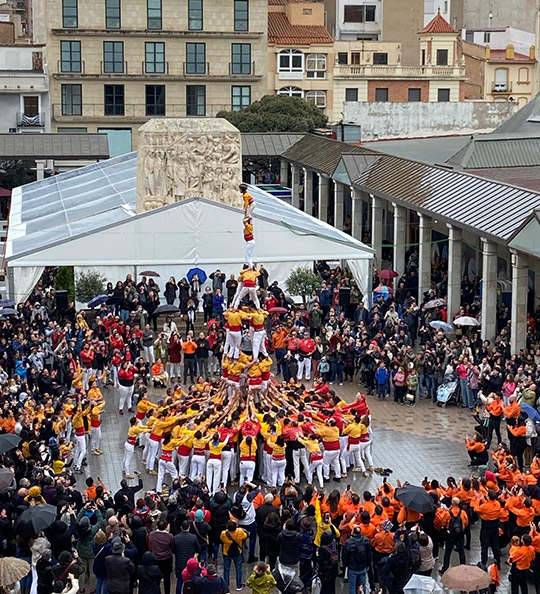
180,158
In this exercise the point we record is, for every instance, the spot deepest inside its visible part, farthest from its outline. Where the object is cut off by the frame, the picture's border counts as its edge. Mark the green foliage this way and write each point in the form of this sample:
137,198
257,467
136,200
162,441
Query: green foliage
302,281
13,174
277,113
65,280
89,284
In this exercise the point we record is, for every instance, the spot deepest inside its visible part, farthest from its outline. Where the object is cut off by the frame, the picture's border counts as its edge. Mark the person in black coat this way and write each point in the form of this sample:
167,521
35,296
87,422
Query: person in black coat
44,573
289,544
220,505
120,570
211,583
270,532
149,575
138,537
328,562
263,511
124,498
184,546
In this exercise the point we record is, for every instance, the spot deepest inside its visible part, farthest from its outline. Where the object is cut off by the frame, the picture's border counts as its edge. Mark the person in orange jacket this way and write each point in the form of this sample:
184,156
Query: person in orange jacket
477,451
522,558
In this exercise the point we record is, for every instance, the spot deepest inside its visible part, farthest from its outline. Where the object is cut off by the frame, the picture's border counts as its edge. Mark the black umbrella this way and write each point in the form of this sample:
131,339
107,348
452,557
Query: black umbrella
415,498
35,519
167,309
8,441
8,311
6,478
149,273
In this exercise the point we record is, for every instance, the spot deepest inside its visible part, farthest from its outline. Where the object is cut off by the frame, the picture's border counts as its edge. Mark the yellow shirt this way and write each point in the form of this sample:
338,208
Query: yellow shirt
248,199
312,445
248,452
248,275
234,319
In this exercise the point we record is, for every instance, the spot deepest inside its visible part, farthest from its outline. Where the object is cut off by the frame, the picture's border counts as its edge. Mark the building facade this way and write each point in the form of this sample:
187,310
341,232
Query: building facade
114,64
300,53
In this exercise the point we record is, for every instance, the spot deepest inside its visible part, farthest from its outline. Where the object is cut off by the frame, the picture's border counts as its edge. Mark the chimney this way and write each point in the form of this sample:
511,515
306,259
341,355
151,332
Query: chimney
509,52
532,52
488,52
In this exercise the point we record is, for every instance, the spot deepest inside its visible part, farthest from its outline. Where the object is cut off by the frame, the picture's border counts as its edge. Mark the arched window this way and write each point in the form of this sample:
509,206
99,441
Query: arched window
290,60
291,92
523,75
316,65
317,98
501,80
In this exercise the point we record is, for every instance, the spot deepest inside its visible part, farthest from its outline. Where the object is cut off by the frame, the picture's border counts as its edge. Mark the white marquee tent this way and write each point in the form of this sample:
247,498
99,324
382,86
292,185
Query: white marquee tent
86,218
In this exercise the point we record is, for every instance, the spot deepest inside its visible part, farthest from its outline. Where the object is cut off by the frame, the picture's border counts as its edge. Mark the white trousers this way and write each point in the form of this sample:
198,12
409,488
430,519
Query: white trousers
250,246
213,474
183,465
356,456
252,292
226,464
198,463
304,366
278,472
331,461
165,467
365,451
129,449
149,356
174,369
95,440
152,449
232,344
80,451
316,467
299,456
257,341
344,453
247,468
126,396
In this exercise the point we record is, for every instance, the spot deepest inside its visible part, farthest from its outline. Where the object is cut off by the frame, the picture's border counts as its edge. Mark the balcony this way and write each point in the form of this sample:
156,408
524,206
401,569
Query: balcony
241,69
75,68
31,121
114,67
155,68
133,112
501,87
196,68
397,71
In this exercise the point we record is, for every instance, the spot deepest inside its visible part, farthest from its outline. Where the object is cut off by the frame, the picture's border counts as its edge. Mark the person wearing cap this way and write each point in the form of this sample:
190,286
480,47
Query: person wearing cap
201,529
120,569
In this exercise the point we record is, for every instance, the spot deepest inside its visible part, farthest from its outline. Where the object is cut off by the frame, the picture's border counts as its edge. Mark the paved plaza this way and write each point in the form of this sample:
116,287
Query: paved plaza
414,442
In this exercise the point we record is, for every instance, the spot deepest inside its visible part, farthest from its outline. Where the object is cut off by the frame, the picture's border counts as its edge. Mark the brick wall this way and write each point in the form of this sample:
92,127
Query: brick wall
398,90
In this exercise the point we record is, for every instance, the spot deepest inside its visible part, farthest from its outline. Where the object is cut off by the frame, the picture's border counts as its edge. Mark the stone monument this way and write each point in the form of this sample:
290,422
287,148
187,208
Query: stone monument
179,158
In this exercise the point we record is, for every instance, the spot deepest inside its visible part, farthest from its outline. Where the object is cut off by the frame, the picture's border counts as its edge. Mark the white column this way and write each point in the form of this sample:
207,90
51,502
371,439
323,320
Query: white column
400,238
489,290
338,206
357,213
376,228
308,191
455,249
283,172
424,255
323,198
295,174
520,292
40,170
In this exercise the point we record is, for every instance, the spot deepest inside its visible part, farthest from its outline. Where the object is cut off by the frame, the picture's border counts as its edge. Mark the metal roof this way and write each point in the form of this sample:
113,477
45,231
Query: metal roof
320,152
522,177
267,144
499,150
432,151
54,146
526,120
486,207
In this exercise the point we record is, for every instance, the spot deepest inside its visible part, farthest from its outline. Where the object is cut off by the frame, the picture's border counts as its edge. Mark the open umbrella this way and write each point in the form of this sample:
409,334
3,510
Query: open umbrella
6,478
167,309
12,570
422,584
465,321
531,412
199,272
35,519
466,578
434,303
278,310
7,303
440,325
381,291
97,300
8,441
387,273
149,273
415,498
7,311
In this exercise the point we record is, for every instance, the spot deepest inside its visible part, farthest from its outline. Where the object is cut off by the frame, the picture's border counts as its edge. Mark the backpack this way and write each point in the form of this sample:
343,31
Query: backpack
234,550
238,511
455,526
358,552
191,588
415,560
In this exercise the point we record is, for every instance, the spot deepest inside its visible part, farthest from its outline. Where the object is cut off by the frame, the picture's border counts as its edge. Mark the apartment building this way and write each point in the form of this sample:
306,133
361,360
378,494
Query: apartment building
300,52
116,63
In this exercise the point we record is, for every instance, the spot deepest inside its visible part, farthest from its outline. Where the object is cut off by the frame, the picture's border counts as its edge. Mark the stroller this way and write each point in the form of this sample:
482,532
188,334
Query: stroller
448,391
287,581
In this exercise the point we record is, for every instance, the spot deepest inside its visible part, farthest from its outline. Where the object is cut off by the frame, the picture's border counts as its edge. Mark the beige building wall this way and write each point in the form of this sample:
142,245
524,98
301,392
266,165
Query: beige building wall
218,34
401,22
522,82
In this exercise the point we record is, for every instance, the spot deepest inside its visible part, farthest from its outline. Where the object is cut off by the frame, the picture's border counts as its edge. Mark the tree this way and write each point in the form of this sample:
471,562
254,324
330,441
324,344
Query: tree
277,113
65,280
89,284
302,281
13,174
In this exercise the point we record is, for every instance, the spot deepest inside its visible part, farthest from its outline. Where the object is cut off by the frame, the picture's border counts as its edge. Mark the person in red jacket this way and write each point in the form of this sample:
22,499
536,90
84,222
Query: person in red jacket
126,378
